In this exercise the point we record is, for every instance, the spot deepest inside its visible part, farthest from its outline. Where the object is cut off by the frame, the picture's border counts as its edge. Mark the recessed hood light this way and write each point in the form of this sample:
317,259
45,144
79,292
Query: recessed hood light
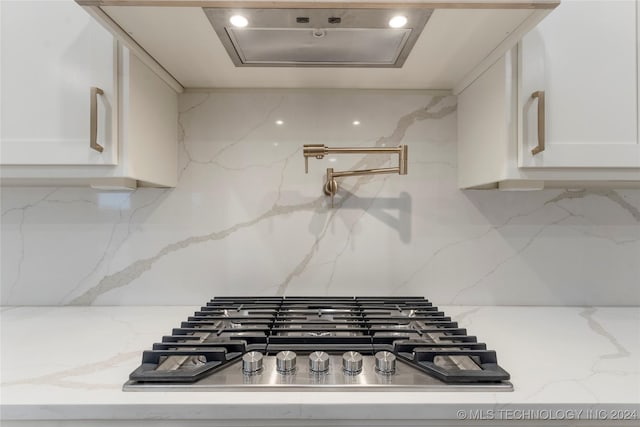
398,21
239,21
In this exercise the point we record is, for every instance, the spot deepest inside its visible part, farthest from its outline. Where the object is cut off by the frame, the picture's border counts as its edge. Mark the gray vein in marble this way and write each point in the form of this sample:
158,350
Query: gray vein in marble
621,352
250,130
566,195
609,194
30,204
213,160
253,165
182,133
304,263
111,239
284,168
440,250
135,270
62,378
23,212
370,162
338,256
433,256
596,327
455,243
153,201
396,137
300,267
71,202
496,267
585,232
463,315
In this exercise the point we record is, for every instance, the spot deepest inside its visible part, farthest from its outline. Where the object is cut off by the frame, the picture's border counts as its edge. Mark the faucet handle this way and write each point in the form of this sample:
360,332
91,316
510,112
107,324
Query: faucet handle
314,150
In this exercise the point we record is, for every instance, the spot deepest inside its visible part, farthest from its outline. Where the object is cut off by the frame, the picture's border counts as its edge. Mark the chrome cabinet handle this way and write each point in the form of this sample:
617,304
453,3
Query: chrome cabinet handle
93,126
541,123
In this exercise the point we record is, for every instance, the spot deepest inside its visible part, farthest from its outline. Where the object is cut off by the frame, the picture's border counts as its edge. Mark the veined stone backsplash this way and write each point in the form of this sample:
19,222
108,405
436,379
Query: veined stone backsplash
246,220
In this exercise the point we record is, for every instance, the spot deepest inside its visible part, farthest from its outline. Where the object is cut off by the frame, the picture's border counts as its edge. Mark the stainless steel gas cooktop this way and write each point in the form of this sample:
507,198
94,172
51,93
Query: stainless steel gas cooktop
319,343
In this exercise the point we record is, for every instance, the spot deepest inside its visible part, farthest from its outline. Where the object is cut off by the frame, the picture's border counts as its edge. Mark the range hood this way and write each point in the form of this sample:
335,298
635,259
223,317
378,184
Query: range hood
443,45
318,37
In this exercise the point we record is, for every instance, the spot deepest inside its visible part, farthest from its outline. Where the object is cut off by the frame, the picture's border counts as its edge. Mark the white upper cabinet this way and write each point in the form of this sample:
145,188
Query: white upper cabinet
53,53
584,57
78,108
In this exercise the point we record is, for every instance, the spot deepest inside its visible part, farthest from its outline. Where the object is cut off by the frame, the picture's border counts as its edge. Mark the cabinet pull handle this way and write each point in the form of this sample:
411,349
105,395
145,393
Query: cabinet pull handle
93,126
541,123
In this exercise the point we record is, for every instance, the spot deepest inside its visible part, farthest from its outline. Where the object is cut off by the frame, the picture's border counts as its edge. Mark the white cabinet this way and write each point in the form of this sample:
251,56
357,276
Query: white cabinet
584,58
53,53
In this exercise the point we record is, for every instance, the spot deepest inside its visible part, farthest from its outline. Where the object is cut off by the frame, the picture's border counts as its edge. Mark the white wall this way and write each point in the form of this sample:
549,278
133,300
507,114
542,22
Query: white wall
246,220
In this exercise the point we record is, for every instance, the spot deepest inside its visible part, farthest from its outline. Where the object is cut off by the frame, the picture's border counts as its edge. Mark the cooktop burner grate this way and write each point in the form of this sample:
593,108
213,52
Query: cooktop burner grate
430,348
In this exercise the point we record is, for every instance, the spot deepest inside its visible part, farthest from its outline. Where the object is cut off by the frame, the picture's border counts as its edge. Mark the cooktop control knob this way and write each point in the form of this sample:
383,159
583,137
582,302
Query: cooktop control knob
285,361
385,362
318,361
352,362
251,362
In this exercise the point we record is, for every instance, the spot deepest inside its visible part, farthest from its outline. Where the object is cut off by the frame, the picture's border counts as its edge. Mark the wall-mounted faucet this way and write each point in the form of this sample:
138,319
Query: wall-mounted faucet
331,185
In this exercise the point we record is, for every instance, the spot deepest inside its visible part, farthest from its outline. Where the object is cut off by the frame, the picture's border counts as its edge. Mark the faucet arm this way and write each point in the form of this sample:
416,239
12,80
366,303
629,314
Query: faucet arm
319,151
360,172
331,185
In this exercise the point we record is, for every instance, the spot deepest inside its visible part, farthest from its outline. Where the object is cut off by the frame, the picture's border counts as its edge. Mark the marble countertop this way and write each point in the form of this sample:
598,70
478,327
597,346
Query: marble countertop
566,363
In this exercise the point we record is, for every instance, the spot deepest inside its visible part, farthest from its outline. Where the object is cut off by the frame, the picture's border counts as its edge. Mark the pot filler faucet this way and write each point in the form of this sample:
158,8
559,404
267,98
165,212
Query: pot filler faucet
331,185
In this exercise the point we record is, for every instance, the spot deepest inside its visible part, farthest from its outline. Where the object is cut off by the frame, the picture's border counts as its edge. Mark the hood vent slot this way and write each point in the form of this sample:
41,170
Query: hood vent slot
318,37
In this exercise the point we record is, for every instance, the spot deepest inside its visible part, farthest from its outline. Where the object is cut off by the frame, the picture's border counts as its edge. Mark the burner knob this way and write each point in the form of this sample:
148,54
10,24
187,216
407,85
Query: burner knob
251,362
318,361
285,361
352,362
385,362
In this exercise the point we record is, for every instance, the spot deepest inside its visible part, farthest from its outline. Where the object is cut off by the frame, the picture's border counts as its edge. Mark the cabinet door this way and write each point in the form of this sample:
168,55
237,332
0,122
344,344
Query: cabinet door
584,57
52,53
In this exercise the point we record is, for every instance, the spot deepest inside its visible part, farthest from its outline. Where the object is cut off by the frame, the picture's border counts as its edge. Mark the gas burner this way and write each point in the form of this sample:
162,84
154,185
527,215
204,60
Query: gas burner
319,343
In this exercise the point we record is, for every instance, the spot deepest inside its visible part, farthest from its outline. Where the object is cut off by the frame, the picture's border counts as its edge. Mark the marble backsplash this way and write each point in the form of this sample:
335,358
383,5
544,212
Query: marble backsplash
246,220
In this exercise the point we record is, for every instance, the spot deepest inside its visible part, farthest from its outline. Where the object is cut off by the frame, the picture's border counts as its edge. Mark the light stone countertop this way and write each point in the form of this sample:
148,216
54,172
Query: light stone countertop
69,364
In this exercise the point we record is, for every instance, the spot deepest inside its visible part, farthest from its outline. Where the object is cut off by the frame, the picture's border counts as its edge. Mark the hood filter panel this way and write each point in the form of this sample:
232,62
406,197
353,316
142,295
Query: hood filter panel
292,46
317,37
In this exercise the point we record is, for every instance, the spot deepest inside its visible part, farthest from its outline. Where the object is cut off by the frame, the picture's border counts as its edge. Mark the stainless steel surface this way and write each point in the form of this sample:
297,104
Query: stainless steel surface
93,119
352,362
385,362
252,362
318,361
318,37
541,122
285,361
405,378
360,343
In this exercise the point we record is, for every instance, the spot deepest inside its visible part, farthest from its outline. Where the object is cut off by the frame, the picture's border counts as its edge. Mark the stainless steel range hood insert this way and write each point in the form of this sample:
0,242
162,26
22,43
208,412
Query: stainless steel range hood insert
318,37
